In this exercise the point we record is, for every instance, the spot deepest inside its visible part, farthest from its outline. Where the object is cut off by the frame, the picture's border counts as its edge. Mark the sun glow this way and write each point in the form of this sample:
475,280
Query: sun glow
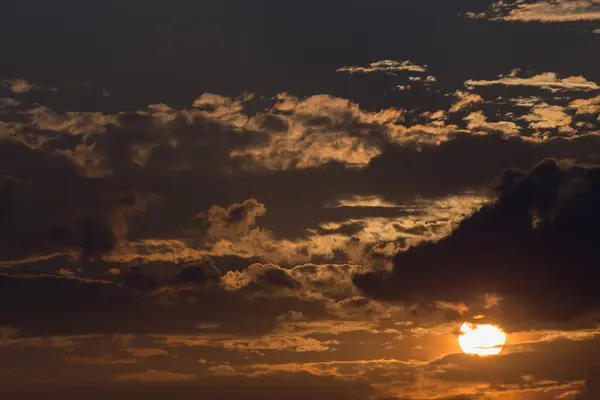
482,340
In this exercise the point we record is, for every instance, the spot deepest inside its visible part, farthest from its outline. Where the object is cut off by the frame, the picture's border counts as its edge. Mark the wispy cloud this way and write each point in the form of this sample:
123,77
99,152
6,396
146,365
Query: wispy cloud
385,66
547,81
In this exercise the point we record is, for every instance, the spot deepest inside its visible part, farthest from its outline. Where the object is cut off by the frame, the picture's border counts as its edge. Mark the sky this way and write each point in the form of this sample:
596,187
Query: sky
262,199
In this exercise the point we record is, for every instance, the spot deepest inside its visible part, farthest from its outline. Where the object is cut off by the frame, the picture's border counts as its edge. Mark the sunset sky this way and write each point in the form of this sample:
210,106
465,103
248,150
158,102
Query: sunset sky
262,199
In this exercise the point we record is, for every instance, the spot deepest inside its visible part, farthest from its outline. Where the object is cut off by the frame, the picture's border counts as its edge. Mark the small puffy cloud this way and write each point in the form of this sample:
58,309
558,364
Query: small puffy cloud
547,81
17,85
542,11
385,66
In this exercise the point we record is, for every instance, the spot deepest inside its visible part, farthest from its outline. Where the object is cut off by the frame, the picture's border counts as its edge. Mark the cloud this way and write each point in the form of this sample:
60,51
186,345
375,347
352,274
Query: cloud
385,66
394,378
318,130
98,360
169,299
297,387
464,100
146,352
167,166
237,220
544,116
477,121
586,106
8,102
17,85
74,123
542,11
535,243
222,108
547,81
41,219
154,376
365,201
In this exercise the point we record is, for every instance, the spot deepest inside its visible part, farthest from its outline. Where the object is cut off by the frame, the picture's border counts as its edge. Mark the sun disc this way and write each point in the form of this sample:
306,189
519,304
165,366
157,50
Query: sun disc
482,340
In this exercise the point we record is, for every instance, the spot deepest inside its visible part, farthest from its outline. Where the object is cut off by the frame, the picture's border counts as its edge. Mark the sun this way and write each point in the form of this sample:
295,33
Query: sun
482,340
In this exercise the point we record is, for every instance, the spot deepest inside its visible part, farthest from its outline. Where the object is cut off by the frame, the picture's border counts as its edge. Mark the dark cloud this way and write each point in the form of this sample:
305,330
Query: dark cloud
297,387
47,206
156,299
535,246
199,273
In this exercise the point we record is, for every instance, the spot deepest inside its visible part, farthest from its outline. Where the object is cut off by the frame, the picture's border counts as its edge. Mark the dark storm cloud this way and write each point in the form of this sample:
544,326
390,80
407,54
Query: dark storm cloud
535,246
143,304
579,362
61,211
298,387
168,298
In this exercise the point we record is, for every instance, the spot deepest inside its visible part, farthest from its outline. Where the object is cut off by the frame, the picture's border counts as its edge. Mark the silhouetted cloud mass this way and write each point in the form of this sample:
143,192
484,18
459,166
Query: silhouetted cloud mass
534,246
